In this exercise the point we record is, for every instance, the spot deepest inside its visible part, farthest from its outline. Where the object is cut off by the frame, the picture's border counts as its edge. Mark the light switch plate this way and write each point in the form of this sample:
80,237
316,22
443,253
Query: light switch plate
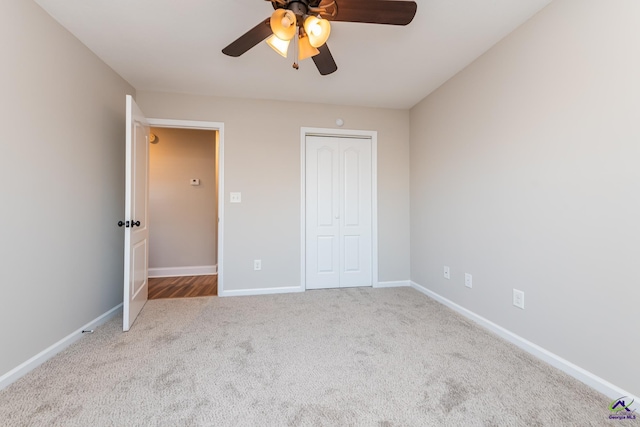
195,181
235,197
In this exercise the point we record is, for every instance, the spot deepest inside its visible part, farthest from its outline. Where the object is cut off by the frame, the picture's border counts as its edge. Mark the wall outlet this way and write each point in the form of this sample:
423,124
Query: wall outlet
257,264
235,197
447,272
468,280
518,298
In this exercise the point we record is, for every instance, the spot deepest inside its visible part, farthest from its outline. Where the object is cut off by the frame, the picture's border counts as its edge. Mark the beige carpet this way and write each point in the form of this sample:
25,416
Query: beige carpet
371,357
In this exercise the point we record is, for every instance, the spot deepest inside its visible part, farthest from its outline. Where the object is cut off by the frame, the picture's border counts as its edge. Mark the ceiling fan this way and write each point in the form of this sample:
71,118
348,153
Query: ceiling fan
306,24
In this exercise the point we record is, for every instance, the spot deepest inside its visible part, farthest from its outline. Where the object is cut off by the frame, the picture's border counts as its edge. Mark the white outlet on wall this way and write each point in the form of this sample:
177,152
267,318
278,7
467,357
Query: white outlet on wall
468,280
518,298
235,197
257,264
447,272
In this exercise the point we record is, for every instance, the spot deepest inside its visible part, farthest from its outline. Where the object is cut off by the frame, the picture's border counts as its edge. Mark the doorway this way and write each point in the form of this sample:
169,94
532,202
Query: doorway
186,209
339,205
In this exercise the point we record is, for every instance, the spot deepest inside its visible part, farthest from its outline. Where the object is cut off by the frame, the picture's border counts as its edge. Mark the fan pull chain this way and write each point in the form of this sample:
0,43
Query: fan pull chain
295,50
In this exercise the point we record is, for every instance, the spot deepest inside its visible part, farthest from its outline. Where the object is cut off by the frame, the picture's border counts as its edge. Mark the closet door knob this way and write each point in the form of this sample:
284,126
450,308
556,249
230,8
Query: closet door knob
135,223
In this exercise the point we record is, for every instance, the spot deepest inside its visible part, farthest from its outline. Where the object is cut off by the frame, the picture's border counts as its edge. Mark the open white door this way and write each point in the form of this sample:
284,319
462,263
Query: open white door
136,233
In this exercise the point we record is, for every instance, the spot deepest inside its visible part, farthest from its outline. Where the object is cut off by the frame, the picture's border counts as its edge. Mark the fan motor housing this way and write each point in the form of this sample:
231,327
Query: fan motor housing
287,4
299,7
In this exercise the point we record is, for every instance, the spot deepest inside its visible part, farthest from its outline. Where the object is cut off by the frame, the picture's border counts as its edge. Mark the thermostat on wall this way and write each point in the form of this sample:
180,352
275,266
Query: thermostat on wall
195,181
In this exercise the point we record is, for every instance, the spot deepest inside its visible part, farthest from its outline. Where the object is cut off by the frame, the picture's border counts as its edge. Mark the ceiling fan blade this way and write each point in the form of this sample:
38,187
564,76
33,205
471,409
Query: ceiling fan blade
388,12
249,39
324,61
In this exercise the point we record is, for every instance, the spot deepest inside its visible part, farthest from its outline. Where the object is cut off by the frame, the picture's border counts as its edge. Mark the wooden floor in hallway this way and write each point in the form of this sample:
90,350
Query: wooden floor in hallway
183,287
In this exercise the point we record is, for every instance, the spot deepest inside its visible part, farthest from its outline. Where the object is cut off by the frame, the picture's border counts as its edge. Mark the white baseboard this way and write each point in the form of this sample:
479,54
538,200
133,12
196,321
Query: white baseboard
46,354
295,289
582,375
396,284
202,270
269,291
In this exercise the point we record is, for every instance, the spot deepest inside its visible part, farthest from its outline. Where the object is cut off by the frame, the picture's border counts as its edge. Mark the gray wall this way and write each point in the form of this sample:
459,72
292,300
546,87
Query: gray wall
524,173
61,181
262,161
182,217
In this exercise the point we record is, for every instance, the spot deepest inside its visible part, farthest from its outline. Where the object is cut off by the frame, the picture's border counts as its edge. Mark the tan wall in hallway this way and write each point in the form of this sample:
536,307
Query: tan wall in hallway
182,217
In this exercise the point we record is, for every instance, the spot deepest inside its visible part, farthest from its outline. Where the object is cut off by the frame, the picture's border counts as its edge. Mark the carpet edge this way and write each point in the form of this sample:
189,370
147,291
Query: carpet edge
24,368
595,382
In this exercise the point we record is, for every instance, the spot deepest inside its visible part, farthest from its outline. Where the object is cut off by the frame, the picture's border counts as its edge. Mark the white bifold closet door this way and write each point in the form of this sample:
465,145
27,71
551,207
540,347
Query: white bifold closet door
338,212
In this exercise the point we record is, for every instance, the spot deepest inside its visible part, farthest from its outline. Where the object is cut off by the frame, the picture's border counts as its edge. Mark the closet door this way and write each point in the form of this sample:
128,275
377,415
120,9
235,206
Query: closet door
355,212
338,212
322,213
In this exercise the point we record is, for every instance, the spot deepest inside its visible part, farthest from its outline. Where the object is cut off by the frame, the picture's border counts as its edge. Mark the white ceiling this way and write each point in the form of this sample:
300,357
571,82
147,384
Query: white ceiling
175,46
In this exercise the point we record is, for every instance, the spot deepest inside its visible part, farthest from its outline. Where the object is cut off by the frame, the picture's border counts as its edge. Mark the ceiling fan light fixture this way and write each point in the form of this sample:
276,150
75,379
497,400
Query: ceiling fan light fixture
318,30
279,45
283,24
305,50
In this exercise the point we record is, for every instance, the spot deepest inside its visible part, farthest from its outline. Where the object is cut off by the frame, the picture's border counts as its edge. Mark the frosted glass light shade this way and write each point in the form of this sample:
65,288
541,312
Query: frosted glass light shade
318,30
305,50
279,45
283,24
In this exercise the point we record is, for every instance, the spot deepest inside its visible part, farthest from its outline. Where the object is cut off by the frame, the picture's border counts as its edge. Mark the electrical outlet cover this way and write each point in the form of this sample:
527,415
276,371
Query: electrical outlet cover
518,298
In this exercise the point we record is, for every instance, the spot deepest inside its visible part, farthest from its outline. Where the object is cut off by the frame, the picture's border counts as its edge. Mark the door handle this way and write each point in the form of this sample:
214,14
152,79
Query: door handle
126,224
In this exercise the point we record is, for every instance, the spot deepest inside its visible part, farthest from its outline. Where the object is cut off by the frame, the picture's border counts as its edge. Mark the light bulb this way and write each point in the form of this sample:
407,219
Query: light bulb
315,29
279,45
318,30
305,50
283,24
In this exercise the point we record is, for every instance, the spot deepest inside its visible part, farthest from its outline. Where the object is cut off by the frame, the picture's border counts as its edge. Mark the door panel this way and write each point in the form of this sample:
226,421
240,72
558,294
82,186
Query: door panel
326,186
139,174
326,254
351,187
352,253
338,212
136,234
139,261
322,222
356,228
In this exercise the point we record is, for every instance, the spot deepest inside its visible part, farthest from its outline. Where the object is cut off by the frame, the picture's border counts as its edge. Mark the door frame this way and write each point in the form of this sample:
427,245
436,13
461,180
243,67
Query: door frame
339,133
219,127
